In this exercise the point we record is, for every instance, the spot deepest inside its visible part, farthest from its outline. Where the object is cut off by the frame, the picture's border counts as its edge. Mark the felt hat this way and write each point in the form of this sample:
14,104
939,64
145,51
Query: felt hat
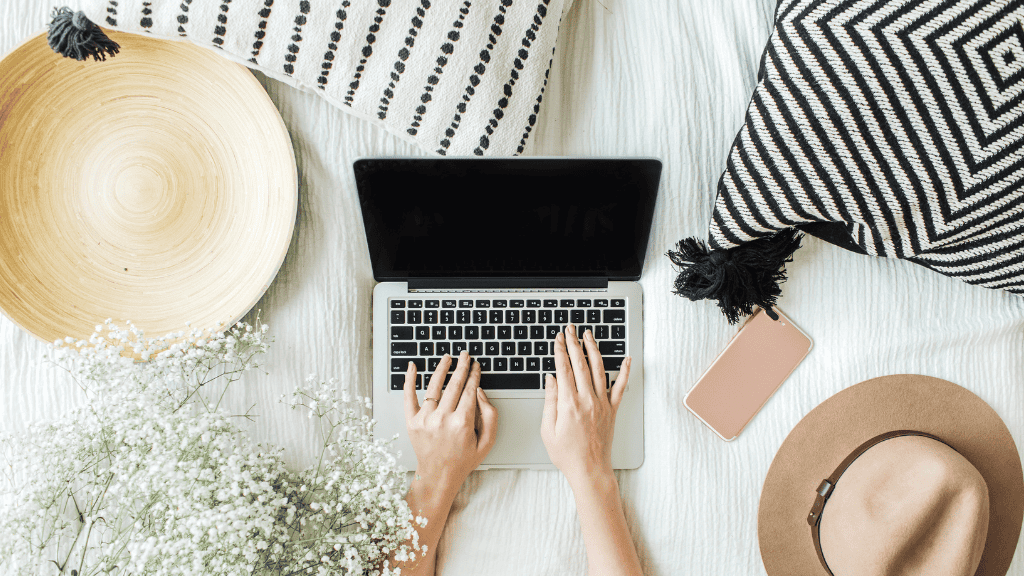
900,474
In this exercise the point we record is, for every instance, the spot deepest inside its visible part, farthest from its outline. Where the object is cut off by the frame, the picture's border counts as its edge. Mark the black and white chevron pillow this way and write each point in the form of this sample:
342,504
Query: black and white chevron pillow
892,127
456,77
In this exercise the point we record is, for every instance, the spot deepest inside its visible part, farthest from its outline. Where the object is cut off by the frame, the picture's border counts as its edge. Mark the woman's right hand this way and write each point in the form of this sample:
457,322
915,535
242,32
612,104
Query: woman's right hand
579,413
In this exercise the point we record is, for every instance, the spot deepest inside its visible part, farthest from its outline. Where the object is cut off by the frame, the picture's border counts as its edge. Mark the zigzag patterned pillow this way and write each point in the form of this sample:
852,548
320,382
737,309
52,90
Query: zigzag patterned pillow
892,127
457,77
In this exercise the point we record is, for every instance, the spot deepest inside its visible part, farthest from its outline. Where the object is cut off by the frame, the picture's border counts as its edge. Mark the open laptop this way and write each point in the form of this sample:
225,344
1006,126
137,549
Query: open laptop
496,256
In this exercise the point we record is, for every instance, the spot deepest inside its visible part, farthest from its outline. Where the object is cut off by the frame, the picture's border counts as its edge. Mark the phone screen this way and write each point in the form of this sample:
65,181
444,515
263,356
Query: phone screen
755,363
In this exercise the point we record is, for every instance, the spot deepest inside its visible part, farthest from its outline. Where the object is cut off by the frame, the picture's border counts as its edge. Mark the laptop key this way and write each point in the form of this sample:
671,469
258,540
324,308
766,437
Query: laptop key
512,317
583,303
447,316
618,303
432,364
457,348
582,329
472,332
548,364
561,317
462,317
402,364
516,304
455,332
536,332
414,317
612,362
520,332
492,348
533,303
496,316
618,332
485,364
465,303
448,304
550,303
487,332
442,348
403,348
500,365
500,303
423,332
533,364
529,316
430,317
524,348
479,317
398,303
544,317
439,333
614,316
397,317
577,316
401,332
516,364
601,332
508,348
614,347
520,381
600,303
427,349
540,348
504,332
415,303
566,303
476,348
398,381
433,303
483,303
593,316
552,332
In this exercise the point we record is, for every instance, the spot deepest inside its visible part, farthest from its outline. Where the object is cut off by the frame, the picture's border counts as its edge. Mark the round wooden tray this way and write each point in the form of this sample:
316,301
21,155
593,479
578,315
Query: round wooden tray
158,186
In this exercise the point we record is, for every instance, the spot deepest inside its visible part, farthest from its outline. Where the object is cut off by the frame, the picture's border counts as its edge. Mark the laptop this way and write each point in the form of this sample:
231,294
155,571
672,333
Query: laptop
496,256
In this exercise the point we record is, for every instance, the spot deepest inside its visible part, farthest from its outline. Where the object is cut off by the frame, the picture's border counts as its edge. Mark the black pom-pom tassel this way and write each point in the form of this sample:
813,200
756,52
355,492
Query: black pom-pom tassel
72,35
739,278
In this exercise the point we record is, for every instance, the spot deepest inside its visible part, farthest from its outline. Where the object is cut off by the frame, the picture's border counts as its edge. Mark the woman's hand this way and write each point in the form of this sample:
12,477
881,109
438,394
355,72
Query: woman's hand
579,413
454,429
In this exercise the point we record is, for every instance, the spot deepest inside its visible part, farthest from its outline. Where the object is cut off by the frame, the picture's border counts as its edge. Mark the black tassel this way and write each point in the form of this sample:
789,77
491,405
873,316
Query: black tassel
72,35
739,278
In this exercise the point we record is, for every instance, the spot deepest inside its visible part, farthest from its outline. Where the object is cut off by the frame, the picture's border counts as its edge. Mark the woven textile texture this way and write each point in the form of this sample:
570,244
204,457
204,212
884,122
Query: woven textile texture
455,77
901,122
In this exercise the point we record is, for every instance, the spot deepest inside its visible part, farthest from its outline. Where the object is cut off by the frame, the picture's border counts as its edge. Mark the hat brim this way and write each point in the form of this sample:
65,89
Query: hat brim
838,425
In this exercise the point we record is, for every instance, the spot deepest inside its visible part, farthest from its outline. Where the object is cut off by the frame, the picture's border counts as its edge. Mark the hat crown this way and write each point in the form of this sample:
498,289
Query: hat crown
909,505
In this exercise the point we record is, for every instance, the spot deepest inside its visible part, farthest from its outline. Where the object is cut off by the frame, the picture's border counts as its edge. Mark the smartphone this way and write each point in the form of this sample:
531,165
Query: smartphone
756,362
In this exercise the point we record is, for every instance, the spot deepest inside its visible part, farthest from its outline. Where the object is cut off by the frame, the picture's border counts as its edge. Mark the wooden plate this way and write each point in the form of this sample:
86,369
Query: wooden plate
158,186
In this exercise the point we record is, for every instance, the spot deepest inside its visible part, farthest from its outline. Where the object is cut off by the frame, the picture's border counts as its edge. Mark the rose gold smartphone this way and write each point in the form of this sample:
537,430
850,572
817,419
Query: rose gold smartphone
756,362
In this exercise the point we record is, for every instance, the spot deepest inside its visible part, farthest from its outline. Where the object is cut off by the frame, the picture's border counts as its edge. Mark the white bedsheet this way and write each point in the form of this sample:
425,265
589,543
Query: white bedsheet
664,78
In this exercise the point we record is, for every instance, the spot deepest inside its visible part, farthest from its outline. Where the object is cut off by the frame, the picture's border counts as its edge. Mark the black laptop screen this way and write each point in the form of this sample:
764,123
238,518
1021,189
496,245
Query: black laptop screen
487,218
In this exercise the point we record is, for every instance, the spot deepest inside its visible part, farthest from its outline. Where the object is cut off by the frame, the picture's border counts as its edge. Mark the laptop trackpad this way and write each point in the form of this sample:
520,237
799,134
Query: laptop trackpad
518,438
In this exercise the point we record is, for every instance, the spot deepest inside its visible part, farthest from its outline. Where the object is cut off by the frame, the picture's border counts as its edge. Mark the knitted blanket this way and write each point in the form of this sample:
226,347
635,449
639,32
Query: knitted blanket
455,77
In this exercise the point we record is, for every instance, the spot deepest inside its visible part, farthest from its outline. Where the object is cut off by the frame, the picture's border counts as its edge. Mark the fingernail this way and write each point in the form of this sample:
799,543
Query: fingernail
588,334
448,356
410,364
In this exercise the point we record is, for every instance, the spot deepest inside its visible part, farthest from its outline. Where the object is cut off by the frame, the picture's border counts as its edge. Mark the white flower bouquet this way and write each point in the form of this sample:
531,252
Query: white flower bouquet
153,477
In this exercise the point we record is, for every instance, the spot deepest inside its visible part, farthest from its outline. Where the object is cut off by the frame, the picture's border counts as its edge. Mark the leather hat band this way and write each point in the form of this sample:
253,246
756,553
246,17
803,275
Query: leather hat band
828,485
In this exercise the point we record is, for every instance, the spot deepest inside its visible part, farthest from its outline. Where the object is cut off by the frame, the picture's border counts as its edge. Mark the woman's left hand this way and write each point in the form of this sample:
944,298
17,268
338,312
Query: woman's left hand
455,428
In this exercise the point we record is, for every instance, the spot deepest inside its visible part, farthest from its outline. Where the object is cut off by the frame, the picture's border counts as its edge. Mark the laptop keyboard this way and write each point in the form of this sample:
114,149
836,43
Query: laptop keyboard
513,339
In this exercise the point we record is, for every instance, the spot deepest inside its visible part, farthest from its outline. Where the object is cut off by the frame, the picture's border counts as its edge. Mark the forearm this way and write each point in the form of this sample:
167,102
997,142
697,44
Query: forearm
433,502
610,549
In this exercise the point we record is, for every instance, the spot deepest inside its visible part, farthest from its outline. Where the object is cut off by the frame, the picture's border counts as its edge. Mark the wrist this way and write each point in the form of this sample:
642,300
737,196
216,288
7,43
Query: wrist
435,488
594,483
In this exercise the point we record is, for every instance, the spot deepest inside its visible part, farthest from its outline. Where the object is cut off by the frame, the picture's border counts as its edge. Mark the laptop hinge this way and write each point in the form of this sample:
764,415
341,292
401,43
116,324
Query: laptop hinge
506,283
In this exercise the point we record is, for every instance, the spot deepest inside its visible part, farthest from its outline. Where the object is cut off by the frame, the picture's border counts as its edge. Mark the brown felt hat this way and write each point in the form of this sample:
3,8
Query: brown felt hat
919,476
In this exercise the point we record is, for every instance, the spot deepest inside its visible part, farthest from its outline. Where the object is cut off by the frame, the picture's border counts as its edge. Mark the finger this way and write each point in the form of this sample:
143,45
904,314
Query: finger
580,369
450,397
436,381
412,405
563,371
596,364
488,424
619,388
467,404
550,402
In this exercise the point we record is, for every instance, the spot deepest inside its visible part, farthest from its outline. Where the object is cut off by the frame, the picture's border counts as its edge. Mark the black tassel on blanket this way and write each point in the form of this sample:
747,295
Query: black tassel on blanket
738,278
72,35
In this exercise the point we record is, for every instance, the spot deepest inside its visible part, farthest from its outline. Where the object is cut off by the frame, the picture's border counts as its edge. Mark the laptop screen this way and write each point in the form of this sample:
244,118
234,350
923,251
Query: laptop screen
507,217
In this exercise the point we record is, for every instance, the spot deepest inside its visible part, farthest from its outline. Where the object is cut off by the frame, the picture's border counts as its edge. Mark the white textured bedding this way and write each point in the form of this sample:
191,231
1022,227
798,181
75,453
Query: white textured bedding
663,78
